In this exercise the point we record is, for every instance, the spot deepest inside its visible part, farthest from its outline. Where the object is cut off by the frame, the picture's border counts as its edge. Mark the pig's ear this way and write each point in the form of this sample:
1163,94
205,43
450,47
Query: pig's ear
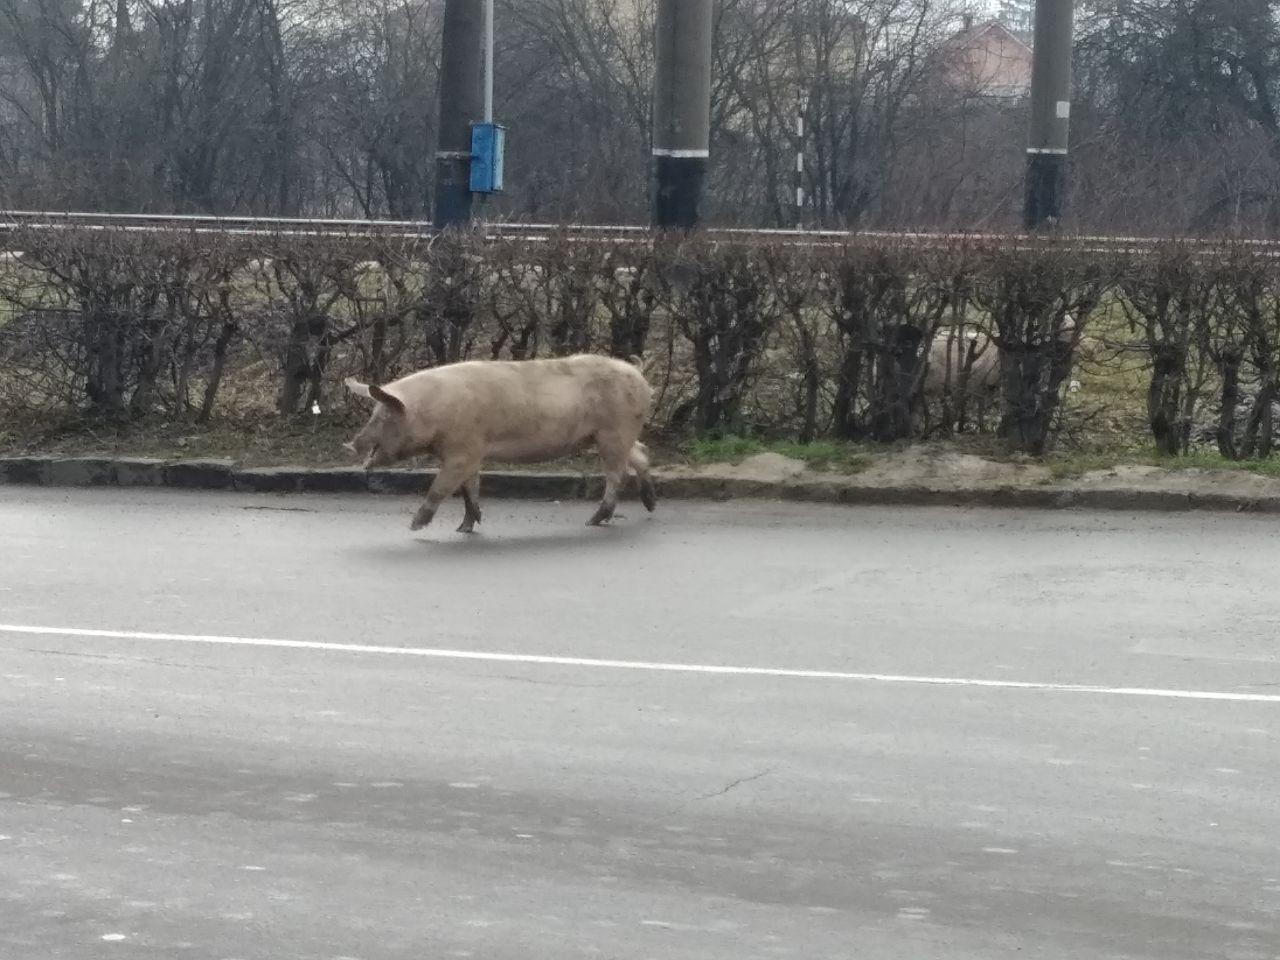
385,398
356,387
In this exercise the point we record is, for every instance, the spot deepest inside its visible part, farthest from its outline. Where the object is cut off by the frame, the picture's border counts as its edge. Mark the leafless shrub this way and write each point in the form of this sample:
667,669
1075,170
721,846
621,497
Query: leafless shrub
887,303
1040,301
720,302
870,341
793,279
299,284
1167,298
121,324
454,289
1242,338
629,296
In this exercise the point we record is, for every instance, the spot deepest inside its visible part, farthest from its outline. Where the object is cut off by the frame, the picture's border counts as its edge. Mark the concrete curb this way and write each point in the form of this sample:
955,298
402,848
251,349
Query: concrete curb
49,471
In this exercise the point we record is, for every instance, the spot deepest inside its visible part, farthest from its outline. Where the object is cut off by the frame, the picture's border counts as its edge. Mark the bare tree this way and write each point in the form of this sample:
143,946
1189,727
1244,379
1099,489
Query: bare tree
372,128
325,107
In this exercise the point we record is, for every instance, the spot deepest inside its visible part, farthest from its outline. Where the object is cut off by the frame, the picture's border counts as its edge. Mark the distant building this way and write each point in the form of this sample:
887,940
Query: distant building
988,60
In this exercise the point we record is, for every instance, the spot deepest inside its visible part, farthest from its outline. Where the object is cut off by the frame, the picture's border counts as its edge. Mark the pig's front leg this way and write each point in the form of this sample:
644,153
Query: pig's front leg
453,471
471,504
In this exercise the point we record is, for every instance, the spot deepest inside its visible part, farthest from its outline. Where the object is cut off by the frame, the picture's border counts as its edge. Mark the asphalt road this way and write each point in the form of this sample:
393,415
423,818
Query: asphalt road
759,731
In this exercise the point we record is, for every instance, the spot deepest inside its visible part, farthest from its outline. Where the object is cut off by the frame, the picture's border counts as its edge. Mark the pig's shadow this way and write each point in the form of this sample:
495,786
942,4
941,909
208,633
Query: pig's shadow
511,540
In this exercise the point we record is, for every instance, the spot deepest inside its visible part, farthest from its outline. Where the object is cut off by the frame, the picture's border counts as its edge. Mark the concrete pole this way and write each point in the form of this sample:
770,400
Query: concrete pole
461,105
488,61
1050,113
681,112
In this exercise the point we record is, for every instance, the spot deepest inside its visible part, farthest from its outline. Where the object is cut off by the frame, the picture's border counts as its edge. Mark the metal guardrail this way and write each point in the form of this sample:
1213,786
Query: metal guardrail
12,220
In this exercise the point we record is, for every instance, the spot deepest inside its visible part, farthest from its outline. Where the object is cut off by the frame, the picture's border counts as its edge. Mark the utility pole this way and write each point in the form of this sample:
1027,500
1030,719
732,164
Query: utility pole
681,112
1050,113
488,61
799,174
461,105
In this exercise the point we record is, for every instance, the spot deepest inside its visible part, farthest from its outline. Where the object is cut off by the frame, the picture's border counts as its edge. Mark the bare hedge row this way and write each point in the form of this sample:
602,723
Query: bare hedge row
872,342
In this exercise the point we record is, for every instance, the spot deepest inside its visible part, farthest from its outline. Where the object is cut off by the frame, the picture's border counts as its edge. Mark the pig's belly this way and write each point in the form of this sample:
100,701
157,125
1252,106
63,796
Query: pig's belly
533,449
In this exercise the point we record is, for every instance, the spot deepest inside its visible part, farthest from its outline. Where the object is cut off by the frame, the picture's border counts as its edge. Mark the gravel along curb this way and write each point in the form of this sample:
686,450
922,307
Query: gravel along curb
47,471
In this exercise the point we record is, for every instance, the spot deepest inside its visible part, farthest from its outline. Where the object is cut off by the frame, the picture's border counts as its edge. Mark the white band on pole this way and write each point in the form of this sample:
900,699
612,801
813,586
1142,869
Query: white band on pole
682,154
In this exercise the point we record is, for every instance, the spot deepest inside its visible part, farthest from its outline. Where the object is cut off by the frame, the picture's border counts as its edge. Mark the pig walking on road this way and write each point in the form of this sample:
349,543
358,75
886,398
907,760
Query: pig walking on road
518,411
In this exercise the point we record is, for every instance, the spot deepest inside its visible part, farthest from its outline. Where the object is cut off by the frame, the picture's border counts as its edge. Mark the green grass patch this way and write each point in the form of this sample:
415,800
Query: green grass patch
1206,460
1071,465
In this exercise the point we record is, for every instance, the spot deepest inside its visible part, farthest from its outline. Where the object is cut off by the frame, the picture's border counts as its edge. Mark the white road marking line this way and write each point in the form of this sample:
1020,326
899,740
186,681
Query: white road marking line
718,670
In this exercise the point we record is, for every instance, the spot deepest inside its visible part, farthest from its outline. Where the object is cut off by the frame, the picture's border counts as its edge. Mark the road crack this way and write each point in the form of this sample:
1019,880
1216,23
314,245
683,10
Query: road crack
735,784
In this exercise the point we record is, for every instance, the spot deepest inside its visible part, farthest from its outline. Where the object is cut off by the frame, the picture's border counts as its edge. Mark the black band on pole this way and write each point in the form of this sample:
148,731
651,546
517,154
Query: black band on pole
678,191
1046,184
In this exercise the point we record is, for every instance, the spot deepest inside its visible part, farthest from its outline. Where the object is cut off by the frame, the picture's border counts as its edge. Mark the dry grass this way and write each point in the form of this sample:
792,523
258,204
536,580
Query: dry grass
256,442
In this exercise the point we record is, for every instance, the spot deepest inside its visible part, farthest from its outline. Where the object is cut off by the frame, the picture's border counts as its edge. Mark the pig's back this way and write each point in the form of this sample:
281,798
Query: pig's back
535,409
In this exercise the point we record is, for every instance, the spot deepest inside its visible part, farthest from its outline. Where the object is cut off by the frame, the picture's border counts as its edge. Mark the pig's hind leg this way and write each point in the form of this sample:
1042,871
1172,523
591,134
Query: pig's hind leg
638,460
615,453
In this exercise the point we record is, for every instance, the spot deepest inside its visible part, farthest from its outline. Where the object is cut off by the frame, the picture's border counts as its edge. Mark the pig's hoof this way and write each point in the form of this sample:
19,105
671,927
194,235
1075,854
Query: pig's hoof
601,516
422,518
648,495
469,520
